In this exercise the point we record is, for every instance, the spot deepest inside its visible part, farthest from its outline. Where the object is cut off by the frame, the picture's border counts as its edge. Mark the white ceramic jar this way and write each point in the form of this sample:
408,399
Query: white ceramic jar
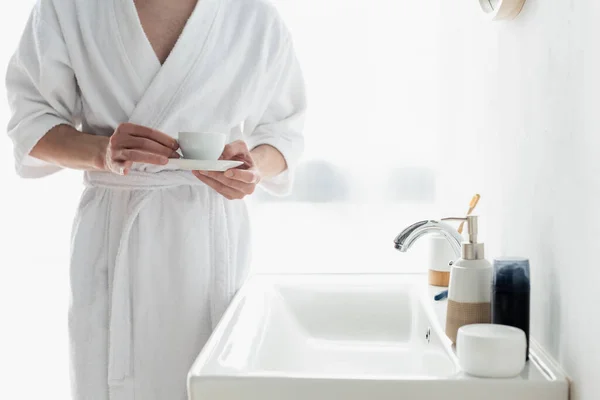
491,351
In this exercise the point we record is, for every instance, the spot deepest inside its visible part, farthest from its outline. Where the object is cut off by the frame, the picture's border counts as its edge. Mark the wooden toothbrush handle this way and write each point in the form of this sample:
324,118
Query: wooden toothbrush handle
472,206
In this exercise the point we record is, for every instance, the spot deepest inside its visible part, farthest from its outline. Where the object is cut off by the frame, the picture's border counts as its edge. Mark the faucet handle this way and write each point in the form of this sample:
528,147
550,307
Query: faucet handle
472,225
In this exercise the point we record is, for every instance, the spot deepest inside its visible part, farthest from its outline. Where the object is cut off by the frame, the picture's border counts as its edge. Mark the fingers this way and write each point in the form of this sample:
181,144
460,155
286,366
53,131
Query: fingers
145,132
140,156
234,148
127,166
121,167
242,175
244,187
145,144
134,143
237,150
226,191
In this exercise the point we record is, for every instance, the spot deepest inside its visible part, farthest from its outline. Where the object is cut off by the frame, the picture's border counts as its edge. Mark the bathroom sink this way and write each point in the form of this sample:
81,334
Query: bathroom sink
351,337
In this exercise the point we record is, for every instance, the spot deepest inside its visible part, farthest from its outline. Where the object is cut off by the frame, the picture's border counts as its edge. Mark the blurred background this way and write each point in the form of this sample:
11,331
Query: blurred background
370,165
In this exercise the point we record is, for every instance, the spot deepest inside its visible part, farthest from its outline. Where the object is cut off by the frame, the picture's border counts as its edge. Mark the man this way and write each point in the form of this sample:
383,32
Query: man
157,254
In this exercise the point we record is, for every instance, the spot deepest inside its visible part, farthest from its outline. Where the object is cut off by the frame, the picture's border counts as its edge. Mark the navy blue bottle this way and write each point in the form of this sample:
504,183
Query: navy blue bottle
511,294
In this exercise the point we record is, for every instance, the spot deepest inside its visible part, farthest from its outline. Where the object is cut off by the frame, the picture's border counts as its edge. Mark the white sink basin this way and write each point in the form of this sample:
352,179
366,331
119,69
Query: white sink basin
339,336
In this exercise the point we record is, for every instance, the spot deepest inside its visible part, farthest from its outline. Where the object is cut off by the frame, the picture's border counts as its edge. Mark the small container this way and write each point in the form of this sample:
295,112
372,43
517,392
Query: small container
511,289
491,351
439,259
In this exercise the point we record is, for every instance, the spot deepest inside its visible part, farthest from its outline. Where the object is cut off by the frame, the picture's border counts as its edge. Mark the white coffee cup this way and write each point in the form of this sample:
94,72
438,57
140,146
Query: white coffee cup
202,145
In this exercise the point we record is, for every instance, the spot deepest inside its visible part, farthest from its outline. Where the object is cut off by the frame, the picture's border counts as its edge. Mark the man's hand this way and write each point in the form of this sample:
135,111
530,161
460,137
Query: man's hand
235,183
134,143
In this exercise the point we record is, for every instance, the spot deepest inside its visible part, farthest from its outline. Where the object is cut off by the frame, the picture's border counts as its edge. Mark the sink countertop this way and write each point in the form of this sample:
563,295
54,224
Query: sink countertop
540,366
278,340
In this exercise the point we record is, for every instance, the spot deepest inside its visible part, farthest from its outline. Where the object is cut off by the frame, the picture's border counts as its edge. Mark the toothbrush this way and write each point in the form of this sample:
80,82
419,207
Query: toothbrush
441,295
472,206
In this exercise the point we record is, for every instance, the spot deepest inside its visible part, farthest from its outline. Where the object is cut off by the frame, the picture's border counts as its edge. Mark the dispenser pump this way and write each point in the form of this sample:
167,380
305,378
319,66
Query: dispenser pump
471,250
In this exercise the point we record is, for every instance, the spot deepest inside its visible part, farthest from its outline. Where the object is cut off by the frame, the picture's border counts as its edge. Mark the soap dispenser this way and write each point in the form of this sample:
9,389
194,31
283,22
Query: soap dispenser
470,289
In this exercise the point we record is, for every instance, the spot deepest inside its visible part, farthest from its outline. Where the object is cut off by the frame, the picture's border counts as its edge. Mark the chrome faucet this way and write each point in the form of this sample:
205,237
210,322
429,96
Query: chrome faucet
409,236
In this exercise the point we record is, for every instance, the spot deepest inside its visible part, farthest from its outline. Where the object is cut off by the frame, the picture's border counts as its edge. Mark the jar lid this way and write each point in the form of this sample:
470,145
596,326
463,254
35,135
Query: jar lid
491,351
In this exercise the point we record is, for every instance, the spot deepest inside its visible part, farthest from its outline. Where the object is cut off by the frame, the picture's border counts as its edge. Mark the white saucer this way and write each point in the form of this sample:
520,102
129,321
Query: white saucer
203,165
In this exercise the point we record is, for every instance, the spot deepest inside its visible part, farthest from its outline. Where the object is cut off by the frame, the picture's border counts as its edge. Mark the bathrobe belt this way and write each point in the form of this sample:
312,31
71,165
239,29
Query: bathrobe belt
120,353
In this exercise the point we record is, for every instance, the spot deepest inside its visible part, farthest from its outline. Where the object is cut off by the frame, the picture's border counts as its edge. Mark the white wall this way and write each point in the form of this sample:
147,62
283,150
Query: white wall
520,119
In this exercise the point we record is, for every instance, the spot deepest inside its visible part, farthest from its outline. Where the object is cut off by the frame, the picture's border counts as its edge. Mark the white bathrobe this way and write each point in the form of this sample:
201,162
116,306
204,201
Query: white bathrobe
156,255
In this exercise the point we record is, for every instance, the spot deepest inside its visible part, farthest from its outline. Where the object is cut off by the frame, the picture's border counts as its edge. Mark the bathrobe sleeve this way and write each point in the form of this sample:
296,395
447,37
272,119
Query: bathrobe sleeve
41,88
282,122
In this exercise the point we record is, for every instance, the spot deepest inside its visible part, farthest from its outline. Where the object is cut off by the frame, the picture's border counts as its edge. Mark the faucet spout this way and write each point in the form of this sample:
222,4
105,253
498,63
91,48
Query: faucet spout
409,236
